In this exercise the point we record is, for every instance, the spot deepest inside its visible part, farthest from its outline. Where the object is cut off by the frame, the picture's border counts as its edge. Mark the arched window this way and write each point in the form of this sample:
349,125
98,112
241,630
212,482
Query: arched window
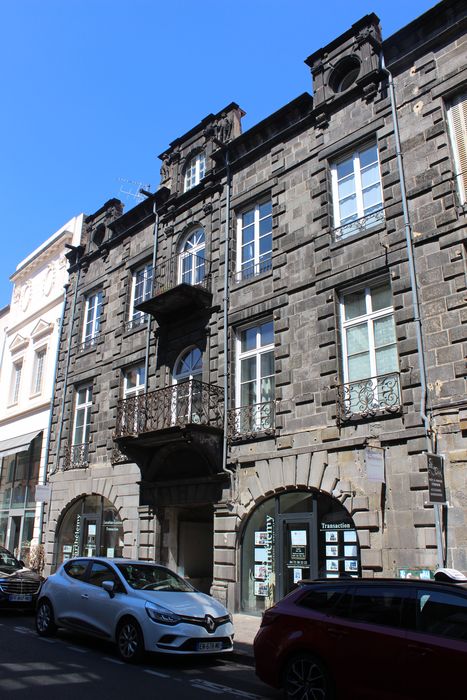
194,171
187,396
189,365
192,258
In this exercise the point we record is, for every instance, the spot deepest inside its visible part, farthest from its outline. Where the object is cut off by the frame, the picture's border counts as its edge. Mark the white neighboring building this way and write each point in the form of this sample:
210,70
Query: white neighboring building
29,330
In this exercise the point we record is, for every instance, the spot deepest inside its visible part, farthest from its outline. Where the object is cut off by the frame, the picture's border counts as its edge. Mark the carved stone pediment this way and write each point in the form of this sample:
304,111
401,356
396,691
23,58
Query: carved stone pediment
18,343
41,329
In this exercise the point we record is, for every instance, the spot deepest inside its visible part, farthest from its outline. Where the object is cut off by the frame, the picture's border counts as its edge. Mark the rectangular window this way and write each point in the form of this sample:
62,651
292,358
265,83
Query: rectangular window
134,409
134,381
92,319
370,361
82,421
38,371
356,192
255,388
457,120
16,381
254,241
141,289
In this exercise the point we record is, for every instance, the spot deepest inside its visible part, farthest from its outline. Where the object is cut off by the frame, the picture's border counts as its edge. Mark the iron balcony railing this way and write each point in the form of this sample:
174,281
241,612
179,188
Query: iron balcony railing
139,319
76,456
89,342
250,270
367,397
359,225
248,421
189,402
184,268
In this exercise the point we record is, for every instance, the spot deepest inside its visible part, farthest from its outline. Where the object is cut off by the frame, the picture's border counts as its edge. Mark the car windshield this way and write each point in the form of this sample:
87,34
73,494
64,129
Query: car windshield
153,578
8,562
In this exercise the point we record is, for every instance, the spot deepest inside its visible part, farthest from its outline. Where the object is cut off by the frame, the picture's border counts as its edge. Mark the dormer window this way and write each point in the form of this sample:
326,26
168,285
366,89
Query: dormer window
194,171
345,74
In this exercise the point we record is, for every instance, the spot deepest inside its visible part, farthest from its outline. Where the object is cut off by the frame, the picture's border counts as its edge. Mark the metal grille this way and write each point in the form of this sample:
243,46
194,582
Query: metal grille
359,225
20,586
250,420
89,342
367,397
185,403
251,270
76,456
183,268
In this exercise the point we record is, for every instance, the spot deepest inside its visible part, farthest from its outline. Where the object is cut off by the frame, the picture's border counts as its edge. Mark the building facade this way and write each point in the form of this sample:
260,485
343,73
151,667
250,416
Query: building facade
257,359
30,329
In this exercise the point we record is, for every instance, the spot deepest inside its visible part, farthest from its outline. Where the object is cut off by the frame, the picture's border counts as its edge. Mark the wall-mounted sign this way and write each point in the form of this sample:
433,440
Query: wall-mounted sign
43,493
436,488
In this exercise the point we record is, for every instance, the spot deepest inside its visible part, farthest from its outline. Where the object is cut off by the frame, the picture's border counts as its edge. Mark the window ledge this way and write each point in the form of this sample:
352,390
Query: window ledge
370,231
248,437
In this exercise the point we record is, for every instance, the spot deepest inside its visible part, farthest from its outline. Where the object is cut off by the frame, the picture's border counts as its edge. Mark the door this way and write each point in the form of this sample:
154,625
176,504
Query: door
98,609
90,544
298,555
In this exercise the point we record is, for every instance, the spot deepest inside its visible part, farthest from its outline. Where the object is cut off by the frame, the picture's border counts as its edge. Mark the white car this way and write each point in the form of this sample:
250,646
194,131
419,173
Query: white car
141,606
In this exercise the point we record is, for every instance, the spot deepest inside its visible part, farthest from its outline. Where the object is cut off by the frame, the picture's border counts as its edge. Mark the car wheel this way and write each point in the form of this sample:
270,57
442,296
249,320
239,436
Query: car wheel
45,624
305,678
130,643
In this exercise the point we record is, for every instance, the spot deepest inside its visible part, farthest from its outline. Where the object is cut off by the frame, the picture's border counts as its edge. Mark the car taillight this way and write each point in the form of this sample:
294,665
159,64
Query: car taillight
269,617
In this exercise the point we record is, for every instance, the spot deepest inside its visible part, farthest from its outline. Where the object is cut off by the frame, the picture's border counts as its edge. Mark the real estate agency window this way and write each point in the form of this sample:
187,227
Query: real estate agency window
92,318
457,120
141,289
254,240
195,170
38,371
369,349
255,378
356,191
15,385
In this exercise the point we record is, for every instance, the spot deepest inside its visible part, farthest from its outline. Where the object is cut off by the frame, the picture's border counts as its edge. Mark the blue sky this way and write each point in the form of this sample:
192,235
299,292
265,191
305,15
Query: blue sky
94,90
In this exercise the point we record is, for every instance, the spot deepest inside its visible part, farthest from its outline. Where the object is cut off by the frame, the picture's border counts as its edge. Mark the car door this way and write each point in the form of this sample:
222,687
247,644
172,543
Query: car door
368,631
67,590
437,648
100,609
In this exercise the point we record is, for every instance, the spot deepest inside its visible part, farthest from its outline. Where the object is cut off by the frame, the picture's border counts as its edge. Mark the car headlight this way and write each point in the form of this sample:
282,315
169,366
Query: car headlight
161,615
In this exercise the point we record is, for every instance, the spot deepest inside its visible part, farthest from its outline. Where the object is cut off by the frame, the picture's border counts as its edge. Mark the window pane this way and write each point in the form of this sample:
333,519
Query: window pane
248,339
381,607
348,208
386,360
359,367
354,305
381,297
248,394
248,234
345,167
267,333
267,364
265,209
369,155
248,369
370,175
384,331
267,390
265,226
248,252
357,339
248,217
346,187
443,614
265,245
371,198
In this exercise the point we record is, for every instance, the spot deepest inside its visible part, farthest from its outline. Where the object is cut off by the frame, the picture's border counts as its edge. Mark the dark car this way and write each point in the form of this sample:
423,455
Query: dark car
19,586
360,638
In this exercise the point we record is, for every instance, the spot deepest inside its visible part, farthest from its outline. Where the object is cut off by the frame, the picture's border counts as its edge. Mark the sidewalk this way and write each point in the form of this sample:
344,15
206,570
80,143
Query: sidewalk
245,627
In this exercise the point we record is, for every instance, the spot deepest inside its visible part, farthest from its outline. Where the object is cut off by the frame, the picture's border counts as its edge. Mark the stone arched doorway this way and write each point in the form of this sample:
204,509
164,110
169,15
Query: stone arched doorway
292,536
90,526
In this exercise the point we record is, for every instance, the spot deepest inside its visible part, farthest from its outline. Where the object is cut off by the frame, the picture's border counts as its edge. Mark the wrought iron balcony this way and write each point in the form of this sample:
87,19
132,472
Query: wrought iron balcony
76,456
89,342
248,421
359,225
188,403
181,283
367,397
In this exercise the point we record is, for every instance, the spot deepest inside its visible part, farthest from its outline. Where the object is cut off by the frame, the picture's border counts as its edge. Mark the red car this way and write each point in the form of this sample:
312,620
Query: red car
361,638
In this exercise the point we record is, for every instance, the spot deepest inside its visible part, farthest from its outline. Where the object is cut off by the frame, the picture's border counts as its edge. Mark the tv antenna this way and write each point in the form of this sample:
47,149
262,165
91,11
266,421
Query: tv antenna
130,189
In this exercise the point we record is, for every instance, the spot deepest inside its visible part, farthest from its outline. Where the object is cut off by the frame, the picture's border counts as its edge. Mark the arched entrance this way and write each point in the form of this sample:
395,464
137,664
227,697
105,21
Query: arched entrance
294,536
91,526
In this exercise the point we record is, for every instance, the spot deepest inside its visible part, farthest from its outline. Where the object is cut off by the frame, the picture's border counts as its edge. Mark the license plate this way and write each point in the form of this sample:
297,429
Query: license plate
209,646
20,597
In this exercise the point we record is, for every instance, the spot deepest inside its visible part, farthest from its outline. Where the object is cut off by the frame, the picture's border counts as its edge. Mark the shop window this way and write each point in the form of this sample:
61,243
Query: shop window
369,352
254,240
457,122
195,171
141,290
356,192
92,319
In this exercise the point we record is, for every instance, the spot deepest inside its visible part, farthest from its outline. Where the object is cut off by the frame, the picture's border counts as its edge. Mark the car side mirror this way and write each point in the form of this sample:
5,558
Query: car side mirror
22,563
109,586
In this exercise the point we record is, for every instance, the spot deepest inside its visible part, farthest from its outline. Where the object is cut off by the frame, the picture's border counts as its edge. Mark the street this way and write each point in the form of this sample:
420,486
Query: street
77,667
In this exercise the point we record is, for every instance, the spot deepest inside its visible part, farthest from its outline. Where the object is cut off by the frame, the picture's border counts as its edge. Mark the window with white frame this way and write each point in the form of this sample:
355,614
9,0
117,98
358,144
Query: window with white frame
192,265
356,191
457,120
92,318
141,289
15,385
38,370
254,240
195,170
188,396
134,379
82,418
255,384
134,385
369,349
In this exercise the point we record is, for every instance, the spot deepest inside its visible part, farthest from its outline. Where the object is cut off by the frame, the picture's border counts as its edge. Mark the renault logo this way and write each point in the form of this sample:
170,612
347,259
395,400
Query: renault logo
209,623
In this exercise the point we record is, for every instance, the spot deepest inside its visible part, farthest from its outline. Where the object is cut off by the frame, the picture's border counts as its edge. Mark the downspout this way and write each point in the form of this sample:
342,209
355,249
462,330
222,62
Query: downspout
415,301
148,333
43,475
226,320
